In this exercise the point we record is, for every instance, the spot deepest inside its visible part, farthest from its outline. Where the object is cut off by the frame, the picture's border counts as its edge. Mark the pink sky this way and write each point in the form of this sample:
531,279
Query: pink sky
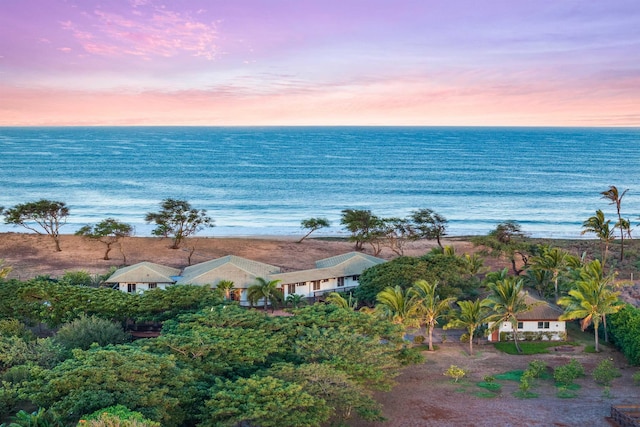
322,62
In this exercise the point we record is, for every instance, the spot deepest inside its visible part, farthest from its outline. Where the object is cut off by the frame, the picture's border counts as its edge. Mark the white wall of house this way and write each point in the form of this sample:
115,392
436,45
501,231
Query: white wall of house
136,288
312,288
554,330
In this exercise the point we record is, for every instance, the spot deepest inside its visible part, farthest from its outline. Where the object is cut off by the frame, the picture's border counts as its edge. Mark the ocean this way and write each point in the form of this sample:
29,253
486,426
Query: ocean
265,180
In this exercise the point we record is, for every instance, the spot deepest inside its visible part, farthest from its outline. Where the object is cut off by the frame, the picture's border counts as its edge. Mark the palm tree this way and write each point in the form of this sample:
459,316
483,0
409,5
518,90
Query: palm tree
398,306
591,299
295,300
471,316
539,279
430,308
4,269
553,260
474,264
507,301
601,228
336,298
266,290
615,198
225,286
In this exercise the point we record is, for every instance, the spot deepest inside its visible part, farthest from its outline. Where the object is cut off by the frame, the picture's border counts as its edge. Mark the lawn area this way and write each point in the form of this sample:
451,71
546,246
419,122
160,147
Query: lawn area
530,347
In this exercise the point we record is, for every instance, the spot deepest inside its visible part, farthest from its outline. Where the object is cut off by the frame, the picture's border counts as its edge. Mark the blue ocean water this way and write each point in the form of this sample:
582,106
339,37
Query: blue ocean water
255,180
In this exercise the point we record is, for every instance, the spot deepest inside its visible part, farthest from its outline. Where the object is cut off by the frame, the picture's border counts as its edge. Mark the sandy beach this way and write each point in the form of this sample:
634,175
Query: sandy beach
31,255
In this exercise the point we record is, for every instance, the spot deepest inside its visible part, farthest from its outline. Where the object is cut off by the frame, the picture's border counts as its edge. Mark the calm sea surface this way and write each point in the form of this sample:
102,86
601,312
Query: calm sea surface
265,180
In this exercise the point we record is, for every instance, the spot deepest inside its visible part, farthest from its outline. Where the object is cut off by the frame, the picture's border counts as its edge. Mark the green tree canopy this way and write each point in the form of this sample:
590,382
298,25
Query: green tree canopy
107,231
362,224
42,215
148,383
507,302
265,290
449,271
178,219
601,227
264,401
592,299
313,224
509,240
471,316
427,224
615,198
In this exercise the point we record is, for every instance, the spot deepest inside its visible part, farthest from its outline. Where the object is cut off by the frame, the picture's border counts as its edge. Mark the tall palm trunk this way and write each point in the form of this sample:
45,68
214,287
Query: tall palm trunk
514,325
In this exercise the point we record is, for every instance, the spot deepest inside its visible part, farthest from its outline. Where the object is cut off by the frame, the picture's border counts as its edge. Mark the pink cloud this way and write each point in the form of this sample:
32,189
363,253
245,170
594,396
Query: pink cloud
161,33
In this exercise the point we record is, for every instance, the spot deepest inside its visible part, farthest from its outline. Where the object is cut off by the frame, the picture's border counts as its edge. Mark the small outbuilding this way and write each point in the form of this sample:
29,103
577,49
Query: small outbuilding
540,323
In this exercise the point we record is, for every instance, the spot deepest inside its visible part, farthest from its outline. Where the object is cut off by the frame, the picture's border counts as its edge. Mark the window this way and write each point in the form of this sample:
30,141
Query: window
291,289
355,278
340,281
543,325
153,285
520,325
131,287
316,285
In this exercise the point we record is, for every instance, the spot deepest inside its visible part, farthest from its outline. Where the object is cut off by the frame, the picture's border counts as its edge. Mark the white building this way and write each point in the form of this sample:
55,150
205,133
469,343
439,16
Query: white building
143,276
338,273
540,323
335,274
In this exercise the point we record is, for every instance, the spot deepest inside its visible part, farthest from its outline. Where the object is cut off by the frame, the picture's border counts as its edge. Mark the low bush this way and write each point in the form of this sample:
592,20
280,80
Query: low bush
455,373
605,372
410,356
568,373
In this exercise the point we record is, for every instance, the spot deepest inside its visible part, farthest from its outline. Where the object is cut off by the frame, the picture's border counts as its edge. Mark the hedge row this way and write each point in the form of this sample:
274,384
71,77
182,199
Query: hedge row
624,327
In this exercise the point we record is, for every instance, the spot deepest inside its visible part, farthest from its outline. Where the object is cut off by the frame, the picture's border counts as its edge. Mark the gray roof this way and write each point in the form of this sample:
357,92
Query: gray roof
144,272
540,310
237,269
349,264
351,258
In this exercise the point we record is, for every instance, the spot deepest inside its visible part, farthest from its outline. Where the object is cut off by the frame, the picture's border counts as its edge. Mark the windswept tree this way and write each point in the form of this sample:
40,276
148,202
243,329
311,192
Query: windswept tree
471,316
507,239
615,198
177,219
107,231
43,215
313,224
362,224
396,232
265,290
430,308
507,302
427,224
601,227
591,299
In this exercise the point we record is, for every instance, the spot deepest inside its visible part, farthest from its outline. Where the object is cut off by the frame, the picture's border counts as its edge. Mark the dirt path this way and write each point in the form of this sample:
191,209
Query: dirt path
425,397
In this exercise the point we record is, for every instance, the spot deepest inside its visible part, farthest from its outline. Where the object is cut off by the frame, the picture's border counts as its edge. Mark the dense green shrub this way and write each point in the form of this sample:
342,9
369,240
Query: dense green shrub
449,271
410,356
118,415
14,328
605,372
537,368
83,332
625,332
566,374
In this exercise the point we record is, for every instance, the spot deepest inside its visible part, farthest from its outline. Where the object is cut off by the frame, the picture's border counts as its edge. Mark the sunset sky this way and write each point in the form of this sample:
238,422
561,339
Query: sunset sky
321,62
